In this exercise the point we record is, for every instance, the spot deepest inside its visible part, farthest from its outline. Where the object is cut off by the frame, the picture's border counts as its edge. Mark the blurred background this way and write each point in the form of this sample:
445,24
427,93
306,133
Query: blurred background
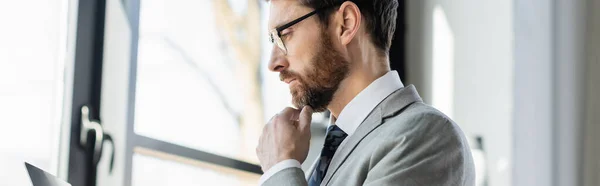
181,89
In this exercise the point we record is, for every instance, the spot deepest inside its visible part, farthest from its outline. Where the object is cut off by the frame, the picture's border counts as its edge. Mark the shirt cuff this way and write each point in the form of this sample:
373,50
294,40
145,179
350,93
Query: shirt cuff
289,163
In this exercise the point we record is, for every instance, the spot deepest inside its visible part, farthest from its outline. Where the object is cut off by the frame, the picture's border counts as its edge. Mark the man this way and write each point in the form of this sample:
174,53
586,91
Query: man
334,55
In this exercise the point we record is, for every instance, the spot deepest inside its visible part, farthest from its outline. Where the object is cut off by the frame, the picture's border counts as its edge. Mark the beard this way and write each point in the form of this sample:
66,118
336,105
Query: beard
326,71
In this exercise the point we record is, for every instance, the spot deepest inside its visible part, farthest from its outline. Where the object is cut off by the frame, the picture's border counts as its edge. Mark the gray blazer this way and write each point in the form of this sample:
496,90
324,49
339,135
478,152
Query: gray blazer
402,142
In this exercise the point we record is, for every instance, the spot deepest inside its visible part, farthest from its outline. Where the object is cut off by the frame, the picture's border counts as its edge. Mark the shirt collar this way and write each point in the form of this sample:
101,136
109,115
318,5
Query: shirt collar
363,103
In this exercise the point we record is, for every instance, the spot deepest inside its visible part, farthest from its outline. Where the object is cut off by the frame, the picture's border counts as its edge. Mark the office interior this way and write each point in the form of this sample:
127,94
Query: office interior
157,92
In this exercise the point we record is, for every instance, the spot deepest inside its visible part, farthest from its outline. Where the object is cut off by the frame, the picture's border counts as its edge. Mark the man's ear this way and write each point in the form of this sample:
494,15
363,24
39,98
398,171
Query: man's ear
349,20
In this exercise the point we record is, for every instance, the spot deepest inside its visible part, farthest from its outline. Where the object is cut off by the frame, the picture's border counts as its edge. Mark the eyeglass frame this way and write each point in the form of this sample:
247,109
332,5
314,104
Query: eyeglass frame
275,33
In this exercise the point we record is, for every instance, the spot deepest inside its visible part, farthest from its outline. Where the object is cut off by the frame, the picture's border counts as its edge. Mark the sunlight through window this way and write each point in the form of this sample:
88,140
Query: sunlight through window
443,63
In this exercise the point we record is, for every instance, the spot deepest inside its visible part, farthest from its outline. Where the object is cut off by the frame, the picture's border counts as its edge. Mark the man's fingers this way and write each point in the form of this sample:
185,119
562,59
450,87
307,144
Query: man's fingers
289,114
305,117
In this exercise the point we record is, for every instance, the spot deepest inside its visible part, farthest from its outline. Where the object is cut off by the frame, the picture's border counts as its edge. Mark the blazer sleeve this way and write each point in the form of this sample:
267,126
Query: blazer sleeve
292,176
435,153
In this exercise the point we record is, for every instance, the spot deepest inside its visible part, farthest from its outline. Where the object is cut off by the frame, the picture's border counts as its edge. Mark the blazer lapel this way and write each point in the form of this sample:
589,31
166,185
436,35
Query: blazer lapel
390,106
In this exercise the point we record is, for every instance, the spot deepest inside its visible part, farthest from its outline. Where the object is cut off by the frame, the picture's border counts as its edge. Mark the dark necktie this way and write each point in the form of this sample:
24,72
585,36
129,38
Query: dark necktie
333,139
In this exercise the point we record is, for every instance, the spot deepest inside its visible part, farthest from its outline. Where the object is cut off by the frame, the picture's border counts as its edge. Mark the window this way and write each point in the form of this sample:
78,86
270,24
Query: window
32,59
190,85
197,95
172,170
198,88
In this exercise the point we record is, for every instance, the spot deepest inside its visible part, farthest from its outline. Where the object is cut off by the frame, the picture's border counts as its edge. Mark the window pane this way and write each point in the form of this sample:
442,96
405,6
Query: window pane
32,41
148,170
198,80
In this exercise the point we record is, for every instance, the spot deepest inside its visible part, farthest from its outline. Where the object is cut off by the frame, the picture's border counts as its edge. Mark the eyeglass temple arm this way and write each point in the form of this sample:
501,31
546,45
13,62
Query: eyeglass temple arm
283,27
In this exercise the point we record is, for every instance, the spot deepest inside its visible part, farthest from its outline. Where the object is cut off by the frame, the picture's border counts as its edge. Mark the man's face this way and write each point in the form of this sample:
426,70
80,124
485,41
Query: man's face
312,67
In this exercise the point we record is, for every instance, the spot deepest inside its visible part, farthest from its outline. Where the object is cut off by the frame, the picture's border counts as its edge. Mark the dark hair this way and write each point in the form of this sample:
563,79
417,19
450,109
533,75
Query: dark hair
380,16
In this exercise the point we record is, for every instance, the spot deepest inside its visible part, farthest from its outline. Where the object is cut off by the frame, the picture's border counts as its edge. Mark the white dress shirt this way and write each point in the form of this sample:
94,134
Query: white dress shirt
353,114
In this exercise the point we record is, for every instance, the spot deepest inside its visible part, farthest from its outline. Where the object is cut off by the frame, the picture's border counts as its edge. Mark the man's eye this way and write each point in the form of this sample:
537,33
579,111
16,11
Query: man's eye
285,34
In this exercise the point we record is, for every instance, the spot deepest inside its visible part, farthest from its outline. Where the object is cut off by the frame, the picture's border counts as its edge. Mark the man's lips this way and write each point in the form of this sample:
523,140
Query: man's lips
288,81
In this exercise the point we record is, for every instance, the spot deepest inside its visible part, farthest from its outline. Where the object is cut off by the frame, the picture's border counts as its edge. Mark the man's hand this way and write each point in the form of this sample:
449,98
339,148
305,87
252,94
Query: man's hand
286,136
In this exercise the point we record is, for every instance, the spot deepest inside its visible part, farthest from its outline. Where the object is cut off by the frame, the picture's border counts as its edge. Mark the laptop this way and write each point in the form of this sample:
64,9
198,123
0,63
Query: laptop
40,177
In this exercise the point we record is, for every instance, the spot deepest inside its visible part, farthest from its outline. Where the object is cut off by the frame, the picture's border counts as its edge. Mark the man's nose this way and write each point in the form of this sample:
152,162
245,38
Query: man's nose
278,60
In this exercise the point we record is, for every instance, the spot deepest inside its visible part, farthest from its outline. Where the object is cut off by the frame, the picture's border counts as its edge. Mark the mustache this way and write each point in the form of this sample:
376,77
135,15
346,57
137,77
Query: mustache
286,74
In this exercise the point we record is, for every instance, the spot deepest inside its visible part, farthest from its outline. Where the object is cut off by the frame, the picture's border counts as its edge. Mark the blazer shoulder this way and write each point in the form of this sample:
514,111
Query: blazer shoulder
420,119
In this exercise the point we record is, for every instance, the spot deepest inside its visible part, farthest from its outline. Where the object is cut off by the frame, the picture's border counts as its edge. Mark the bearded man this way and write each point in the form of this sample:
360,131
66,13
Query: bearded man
334,54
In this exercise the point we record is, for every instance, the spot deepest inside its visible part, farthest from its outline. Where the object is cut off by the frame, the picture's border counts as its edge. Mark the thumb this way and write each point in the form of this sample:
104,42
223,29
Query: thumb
305,117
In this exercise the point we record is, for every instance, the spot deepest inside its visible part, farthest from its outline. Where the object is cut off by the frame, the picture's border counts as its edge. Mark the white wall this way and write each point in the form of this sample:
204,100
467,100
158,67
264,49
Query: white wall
533,93
483,71
520,80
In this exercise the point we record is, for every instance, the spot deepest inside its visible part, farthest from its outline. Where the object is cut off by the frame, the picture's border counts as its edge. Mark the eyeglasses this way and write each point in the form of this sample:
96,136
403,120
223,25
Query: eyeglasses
275,34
